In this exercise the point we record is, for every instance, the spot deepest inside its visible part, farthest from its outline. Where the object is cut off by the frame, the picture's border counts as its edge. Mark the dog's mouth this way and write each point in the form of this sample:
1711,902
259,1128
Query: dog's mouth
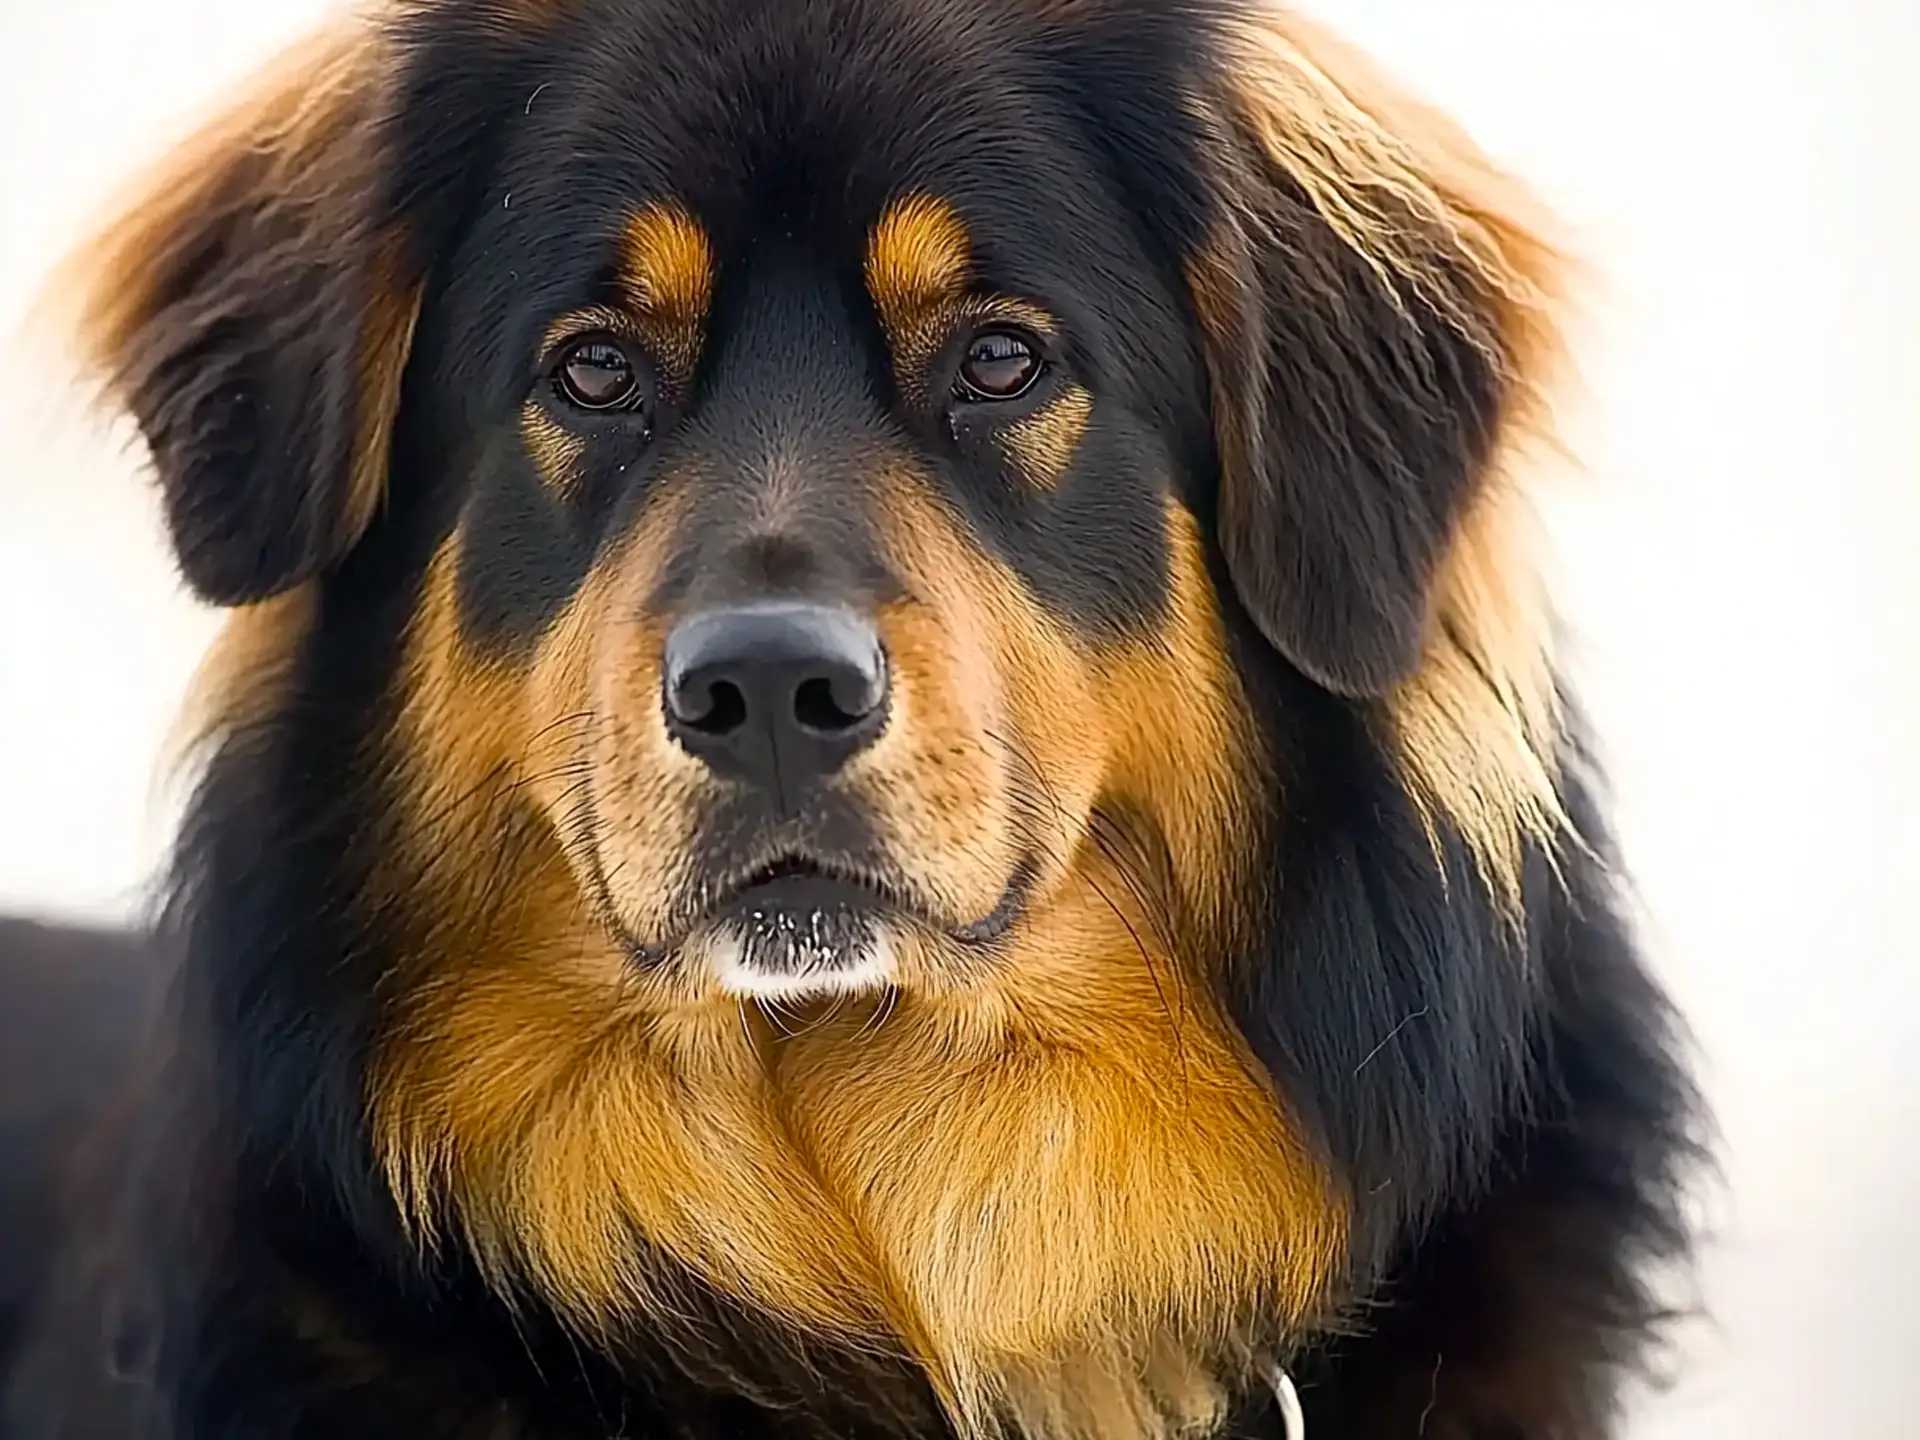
800,915
802,926
796,883
798,921
799,888
798,926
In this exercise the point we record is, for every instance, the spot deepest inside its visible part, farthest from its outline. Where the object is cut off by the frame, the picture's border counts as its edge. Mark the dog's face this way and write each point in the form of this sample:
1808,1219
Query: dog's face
827,544
825,526
844,488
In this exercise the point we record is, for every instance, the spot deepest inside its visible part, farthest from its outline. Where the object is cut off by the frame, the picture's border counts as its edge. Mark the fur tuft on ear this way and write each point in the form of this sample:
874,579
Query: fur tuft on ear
251,314
1380,307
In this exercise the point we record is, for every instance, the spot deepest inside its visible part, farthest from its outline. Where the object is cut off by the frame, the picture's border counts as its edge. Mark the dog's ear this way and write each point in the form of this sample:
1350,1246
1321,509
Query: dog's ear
250,311
1378,304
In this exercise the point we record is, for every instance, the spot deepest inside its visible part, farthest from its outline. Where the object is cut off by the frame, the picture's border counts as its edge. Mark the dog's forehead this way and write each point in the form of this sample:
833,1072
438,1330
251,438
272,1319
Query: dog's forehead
791,97
810,118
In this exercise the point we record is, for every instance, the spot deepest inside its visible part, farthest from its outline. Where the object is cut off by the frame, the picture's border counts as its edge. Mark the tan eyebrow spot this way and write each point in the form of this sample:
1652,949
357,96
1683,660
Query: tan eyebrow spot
918,261
668,272
1043,444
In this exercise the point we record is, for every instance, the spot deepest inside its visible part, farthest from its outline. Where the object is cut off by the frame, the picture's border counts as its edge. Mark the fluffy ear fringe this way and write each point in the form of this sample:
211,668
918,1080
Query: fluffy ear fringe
1477,723
263,222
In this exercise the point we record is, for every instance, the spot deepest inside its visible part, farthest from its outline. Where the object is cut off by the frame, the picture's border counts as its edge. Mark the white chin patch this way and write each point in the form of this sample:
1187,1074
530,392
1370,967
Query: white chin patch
789,955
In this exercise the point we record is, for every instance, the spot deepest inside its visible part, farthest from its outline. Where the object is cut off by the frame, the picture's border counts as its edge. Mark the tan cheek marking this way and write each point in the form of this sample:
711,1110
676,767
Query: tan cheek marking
940,774
1050,735
461,712
556,451
575,731
1163,725
669,276
647,790
479,733
1043,445
935,777
1185,747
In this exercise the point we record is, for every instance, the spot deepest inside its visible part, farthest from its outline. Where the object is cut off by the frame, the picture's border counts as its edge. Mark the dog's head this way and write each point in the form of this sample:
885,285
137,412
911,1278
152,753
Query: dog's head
814,516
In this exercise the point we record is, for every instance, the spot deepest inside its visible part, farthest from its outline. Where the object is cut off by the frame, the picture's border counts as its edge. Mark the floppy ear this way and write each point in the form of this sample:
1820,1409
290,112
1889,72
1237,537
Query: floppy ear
250,313
1378,307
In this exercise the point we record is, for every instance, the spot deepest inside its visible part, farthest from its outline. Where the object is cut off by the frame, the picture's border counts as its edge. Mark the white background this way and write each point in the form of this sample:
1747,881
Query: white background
1740,573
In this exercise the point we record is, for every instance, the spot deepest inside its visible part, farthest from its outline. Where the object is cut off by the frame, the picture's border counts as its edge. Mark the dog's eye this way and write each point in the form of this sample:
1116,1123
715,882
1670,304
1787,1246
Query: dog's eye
998,365
595,373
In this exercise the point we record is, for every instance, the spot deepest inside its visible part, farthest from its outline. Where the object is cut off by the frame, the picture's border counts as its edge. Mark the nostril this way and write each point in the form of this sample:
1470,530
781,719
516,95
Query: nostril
724,712
818,708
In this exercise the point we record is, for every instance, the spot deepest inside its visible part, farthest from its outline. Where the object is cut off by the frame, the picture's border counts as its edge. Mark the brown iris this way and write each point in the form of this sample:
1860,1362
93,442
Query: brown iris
596,373
998,365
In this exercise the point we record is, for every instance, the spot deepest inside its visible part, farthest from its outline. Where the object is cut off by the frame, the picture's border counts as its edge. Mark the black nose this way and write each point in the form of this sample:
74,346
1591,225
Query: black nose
776,694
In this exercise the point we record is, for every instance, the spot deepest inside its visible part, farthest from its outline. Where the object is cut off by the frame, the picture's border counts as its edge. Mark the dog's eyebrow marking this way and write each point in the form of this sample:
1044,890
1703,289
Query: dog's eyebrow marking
919,260
668,269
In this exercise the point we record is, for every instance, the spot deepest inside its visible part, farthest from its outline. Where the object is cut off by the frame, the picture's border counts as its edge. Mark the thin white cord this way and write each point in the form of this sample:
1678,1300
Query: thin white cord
1291,1416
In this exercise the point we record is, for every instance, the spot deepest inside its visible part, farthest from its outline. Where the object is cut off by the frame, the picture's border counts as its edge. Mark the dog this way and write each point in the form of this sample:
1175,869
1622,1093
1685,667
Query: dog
889,758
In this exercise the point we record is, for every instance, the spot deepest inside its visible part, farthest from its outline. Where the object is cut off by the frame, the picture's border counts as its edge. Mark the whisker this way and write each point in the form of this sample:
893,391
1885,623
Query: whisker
882,1012
762,1004
1142,895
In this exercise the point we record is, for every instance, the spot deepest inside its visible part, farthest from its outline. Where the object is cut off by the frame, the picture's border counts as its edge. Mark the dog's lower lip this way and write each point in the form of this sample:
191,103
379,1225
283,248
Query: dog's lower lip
799,883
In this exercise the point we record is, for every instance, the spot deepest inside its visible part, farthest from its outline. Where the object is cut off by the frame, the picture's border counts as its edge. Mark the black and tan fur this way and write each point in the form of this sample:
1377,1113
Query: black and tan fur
1255,989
